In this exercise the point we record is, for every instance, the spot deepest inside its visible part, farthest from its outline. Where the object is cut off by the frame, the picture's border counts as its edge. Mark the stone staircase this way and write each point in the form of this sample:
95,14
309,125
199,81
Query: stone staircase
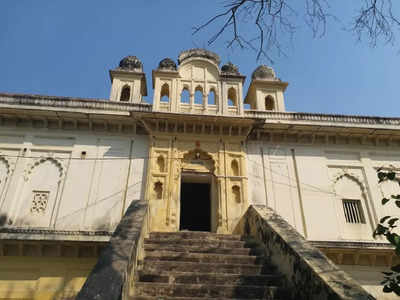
201,265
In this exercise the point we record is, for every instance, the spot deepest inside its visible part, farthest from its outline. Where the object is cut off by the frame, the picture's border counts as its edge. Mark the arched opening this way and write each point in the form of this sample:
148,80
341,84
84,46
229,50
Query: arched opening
236,193
125,94
235,167
158,190
211,97
269,103
164,93
232,98
185,96
198,95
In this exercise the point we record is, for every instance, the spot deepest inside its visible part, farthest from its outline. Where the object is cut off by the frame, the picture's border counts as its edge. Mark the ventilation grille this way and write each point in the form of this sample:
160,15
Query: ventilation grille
353,211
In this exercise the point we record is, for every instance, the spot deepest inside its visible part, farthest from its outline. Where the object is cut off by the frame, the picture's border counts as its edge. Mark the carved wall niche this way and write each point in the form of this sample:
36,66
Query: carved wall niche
41,192
235,170
158,190
161,163
236,193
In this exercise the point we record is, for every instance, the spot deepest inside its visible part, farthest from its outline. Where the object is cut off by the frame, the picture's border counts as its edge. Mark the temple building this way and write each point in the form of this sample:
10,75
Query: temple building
200,156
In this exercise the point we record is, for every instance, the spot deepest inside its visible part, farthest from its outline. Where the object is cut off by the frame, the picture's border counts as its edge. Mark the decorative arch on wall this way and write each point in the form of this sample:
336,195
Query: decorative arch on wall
125,93
164,93
232,97
41,160
351,176
351,204
269,103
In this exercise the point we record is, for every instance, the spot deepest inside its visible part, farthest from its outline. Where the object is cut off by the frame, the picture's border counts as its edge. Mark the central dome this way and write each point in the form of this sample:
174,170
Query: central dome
201,53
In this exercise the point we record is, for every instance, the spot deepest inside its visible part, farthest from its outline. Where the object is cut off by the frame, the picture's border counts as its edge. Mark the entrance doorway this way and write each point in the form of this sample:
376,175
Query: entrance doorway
195,206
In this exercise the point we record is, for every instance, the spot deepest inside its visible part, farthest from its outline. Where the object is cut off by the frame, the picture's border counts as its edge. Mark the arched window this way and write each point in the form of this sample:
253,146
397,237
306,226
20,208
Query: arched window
125,93
198,95
269,103
185,96
232,99
164,94
211,97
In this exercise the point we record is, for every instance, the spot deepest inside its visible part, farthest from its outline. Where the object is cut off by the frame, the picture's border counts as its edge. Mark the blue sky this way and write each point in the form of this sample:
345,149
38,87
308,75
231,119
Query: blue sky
66,48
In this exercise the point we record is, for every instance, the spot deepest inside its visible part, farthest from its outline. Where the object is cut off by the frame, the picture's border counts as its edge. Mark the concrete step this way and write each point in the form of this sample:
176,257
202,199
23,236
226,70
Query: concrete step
210,278
178,266
196,235
209,290
195,242
199,248
200,257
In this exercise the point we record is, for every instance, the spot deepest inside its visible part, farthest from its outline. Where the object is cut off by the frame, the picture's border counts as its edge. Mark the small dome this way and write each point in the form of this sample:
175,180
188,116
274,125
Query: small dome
167,64
131,63
203,53
264,72
230,68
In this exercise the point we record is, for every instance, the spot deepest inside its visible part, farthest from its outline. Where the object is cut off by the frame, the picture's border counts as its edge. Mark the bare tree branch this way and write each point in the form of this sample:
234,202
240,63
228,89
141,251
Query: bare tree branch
276,19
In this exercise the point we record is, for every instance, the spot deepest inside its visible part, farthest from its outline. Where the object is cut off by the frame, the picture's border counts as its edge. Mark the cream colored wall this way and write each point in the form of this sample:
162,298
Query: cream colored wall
311,198
86,193
42,277
197,73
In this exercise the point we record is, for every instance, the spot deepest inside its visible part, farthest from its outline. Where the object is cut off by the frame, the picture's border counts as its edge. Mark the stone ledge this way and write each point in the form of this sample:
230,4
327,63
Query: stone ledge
352,245
38,234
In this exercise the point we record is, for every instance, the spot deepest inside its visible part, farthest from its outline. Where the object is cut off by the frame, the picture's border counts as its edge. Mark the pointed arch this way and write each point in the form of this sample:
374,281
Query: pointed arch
125,93
232,97
164,93
198,95
212,100
185,95
269,103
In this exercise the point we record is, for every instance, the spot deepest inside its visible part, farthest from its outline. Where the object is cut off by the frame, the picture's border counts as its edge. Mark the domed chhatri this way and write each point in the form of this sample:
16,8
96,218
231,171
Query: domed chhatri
202,53
167,64
230,68
264,72
130,63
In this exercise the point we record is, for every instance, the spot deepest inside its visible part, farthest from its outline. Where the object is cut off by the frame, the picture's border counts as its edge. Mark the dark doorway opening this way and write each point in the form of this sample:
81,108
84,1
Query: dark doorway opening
195,207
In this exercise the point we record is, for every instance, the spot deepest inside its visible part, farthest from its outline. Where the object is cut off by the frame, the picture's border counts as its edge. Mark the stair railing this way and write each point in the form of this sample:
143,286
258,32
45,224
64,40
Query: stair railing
112,277
308,273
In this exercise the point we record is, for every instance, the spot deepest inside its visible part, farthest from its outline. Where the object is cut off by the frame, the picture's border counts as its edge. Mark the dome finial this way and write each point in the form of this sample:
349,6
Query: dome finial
167,64
230,68
264,72
130,63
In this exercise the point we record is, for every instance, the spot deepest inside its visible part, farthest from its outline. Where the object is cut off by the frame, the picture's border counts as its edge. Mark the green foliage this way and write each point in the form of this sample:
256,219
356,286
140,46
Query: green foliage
391,281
